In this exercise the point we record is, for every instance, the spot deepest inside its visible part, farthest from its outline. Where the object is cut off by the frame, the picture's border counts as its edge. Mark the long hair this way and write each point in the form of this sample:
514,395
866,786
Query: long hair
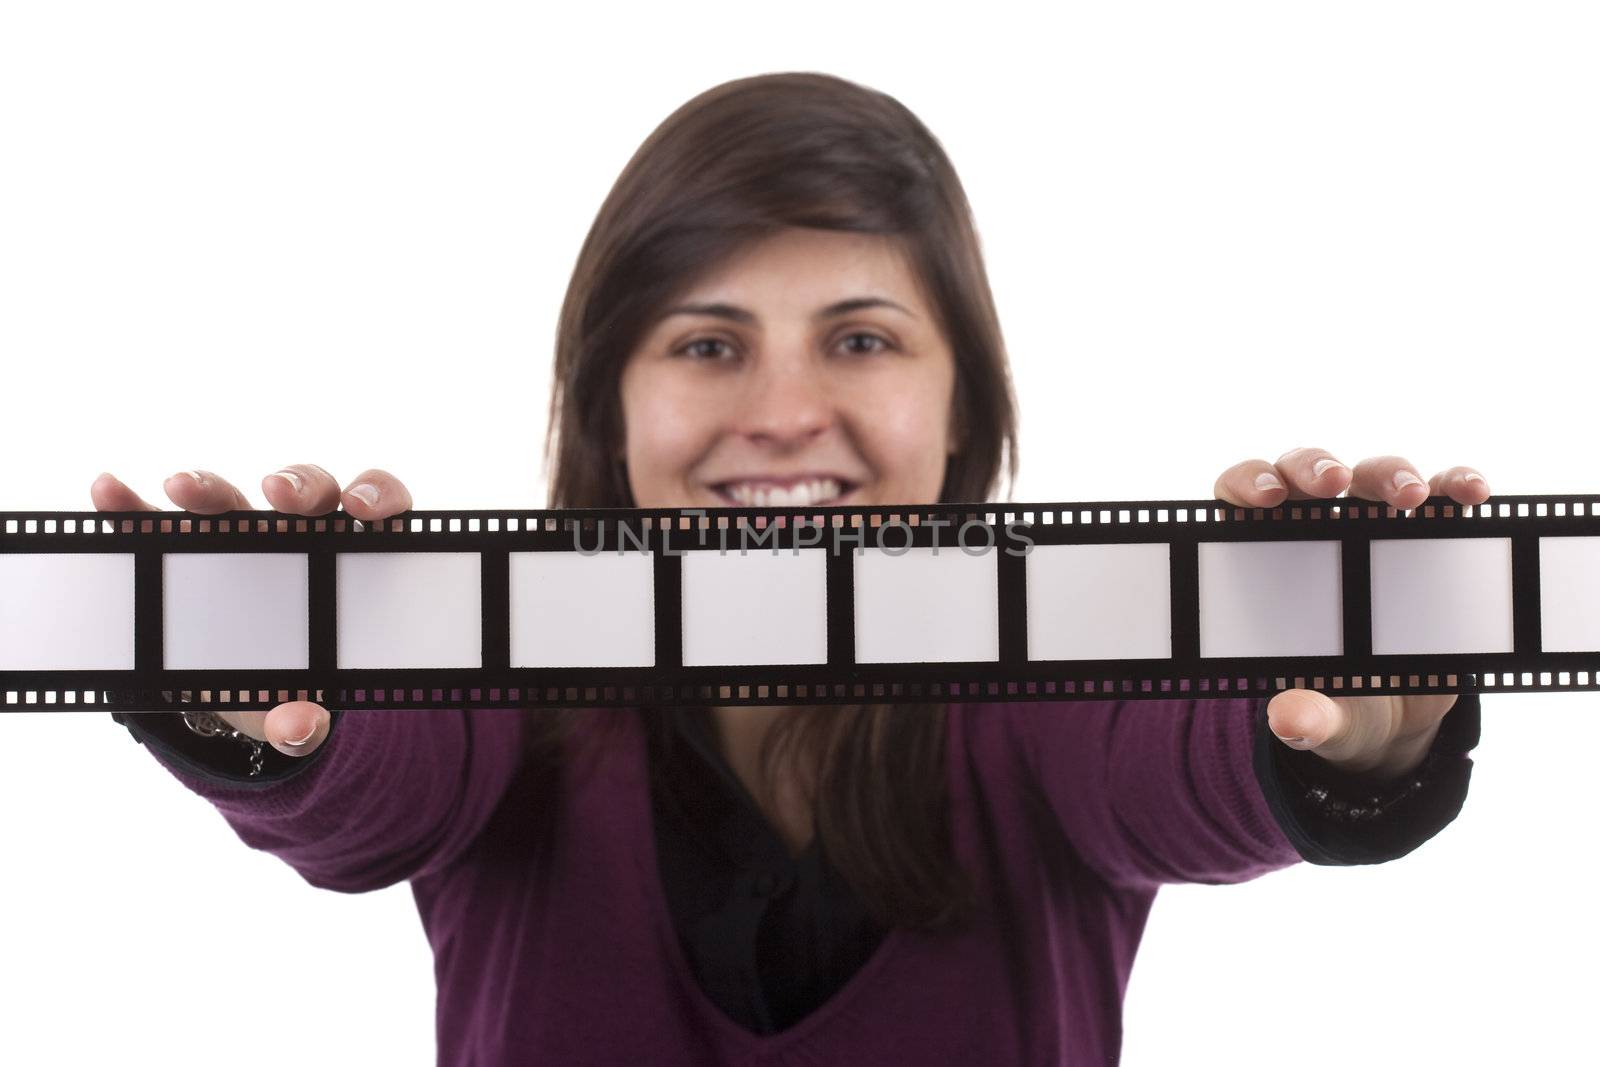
737,163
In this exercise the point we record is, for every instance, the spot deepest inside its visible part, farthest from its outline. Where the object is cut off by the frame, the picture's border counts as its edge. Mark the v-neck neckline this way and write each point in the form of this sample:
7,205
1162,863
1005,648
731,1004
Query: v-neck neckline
648,856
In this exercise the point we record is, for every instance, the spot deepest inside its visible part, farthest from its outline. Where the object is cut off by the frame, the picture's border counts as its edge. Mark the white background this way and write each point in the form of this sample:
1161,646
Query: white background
238,237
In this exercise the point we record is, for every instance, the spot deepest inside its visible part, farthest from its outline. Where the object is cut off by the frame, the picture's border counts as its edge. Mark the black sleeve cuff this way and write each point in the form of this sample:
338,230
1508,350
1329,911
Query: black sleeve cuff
1331,820
216,759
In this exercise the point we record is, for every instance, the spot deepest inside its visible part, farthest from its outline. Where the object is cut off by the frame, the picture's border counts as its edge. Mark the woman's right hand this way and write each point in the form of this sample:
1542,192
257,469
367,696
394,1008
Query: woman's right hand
299,726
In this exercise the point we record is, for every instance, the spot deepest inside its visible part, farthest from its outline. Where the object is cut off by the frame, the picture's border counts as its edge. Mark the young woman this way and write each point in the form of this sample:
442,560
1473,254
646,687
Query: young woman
782,301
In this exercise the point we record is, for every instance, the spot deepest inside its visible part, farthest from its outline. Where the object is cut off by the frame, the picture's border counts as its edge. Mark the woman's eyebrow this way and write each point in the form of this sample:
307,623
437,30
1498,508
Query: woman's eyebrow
740,315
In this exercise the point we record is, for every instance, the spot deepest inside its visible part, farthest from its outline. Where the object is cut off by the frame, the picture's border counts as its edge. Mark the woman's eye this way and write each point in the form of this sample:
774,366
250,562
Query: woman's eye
693,348
716,350
868,337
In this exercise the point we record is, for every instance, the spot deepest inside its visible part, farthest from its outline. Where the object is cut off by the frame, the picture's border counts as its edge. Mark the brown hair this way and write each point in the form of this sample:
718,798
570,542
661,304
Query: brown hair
737,163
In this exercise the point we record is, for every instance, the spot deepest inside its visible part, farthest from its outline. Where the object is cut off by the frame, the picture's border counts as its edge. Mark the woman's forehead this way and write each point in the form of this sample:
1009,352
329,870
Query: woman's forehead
805,272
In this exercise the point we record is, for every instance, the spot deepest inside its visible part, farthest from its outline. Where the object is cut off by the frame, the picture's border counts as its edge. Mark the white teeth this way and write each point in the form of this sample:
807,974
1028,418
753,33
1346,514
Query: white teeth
817,491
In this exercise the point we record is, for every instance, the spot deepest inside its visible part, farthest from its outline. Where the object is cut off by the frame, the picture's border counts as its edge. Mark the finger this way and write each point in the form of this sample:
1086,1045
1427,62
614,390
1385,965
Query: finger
1312,473
298,727
302,489
1334,729
376,494
1252,484
1391,480
1461,484
109,494
204,493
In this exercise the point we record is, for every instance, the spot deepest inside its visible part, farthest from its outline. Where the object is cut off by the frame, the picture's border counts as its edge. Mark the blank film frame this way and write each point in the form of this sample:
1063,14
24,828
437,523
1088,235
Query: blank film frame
821,605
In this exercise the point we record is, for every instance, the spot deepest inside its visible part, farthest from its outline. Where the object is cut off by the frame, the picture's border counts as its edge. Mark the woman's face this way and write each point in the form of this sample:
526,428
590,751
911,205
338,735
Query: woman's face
808,369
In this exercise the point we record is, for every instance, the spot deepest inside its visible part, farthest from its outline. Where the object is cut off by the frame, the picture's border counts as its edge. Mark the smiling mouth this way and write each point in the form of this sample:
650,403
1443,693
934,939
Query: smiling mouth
756,494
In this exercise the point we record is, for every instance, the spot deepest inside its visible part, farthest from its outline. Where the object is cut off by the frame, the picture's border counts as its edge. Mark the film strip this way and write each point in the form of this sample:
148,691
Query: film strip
982,601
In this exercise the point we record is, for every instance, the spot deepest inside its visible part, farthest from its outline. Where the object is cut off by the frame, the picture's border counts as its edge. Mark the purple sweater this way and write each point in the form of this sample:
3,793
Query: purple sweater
552,938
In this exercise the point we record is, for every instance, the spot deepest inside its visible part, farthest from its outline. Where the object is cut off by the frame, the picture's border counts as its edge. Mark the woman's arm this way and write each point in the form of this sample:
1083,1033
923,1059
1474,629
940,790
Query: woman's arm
1158,791
388,796
371,797
1154,791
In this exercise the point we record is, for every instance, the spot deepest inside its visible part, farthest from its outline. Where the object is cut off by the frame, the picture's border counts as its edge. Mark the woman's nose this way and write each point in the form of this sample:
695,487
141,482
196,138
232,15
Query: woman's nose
789,402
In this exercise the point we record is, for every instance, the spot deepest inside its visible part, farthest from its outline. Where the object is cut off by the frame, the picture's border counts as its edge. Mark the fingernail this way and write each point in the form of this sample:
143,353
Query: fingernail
1472,477
292,478
1404,478
1267,481
367,494
1294,742
1323,466
194,476
296,744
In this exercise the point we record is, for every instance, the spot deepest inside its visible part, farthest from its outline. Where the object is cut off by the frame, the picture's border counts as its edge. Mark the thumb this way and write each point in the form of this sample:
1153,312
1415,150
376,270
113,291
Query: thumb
296,728
1334,728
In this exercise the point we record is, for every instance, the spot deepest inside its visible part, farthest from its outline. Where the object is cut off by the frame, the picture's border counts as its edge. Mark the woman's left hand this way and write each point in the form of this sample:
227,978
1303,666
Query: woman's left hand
1382,737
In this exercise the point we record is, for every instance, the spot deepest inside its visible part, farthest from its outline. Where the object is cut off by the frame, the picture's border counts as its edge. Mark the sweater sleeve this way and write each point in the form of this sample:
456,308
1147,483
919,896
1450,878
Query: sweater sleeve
1151,792
1155,791
391,794
1335,819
